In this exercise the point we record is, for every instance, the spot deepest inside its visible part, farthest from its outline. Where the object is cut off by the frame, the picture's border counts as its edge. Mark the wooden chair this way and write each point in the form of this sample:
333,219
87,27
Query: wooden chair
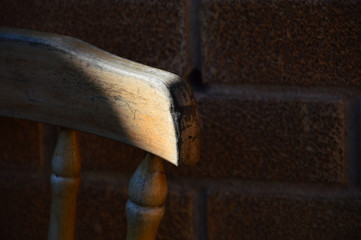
66,82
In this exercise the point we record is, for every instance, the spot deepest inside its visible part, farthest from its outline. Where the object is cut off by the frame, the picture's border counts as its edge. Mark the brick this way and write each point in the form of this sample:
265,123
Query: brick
274,137
101,209
19,145
248,216
177,223
25,203
25,208
281,42
150,32
102,154
101,212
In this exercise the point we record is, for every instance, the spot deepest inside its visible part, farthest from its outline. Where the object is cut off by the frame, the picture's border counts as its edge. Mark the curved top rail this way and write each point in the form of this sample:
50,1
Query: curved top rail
64,81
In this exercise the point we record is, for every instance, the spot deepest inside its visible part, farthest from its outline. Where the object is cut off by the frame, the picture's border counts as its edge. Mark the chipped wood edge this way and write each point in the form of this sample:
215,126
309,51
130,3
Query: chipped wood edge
182,105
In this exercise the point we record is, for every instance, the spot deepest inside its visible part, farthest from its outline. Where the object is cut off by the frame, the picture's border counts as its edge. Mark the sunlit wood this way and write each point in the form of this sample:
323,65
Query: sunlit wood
66,82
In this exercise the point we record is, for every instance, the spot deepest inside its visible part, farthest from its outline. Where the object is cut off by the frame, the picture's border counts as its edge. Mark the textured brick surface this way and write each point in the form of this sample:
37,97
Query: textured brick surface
288,42
243,216
270,138
25,207
19,145
261,133
102,154
151,32
101,209
177,223
101,212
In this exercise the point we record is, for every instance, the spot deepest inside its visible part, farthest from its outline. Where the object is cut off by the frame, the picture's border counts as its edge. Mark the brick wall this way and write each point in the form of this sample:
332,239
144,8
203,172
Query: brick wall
277,85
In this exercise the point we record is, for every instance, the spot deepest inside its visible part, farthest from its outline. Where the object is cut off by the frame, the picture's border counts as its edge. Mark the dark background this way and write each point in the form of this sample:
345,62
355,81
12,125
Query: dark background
277,85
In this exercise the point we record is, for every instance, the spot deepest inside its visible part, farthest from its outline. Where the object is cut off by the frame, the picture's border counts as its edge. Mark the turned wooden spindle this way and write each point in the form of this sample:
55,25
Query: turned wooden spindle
66,165
147,193
63,81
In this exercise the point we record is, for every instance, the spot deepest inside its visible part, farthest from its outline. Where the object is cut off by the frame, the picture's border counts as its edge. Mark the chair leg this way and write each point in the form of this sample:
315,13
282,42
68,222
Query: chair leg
147,193
66,165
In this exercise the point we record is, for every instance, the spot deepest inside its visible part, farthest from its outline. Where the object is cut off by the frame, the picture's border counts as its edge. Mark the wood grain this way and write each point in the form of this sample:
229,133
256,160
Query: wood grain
65,180
66,82
147,193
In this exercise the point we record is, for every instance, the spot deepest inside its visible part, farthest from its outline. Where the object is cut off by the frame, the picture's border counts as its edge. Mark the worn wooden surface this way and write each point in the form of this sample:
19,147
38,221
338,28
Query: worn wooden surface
66,82
65,180
147,193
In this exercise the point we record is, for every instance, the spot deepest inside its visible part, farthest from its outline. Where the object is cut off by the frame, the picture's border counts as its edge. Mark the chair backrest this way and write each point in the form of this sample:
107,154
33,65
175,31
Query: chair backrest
66,82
